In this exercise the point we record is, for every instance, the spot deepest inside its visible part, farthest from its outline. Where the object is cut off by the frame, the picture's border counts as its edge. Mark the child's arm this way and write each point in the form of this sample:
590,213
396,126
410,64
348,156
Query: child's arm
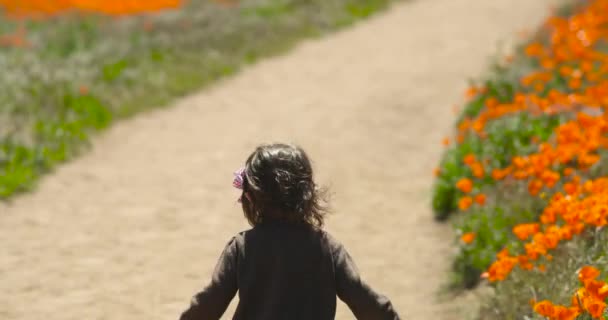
362,300
212,302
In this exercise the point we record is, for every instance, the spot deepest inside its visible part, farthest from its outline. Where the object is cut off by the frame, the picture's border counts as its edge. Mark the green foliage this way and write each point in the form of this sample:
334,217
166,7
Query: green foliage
506,137
356,10
492,224
361,10
269,10
112,71
16,168
57,139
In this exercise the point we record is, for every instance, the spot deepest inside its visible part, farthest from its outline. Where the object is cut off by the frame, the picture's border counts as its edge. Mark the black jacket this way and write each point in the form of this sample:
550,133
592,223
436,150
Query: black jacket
287,272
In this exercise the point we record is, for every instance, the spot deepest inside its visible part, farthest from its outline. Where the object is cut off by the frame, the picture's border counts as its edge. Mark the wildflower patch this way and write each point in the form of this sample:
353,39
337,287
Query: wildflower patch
531,146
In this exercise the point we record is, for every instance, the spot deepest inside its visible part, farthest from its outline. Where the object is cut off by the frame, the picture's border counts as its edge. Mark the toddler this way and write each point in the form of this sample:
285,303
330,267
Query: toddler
286,267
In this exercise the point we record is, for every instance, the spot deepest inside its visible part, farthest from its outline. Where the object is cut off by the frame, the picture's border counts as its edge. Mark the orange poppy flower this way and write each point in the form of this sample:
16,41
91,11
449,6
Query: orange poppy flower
460,138
524,231
468,237
446,141
595,308
465,203
535,49
480,199
469,159
545,308
465,185
498,174
437,172
563,313
534,187
587,273
471,92
478,171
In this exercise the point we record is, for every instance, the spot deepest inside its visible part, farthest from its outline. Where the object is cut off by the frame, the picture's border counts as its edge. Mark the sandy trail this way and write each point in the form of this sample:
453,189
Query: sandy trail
133,228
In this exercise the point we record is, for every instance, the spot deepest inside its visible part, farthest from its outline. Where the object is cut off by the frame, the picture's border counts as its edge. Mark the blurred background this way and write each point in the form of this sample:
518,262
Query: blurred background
72,66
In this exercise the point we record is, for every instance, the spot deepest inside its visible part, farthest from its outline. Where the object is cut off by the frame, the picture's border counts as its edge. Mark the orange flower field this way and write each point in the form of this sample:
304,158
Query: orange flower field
565,80
42,8
590,299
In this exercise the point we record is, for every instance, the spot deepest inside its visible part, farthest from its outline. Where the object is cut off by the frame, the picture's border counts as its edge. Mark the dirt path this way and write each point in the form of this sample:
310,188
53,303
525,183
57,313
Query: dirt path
133,228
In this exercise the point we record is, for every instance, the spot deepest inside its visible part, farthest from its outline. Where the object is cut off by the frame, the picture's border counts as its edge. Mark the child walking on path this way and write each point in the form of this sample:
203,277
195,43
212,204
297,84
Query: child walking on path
286,267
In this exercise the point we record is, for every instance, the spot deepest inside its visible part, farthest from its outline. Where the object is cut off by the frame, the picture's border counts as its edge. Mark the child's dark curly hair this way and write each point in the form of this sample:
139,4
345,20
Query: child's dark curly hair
278,185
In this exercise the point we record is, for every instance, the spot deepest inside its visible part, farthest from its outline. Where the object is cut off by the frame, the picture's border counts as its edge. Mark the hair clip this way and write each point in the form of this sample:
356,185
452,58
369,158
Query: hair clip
239,178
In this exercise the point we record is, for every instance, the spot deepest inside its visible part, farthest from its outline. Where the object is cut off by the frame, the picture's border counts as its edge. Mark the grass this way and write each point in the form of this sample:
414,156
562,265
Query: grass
79,74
